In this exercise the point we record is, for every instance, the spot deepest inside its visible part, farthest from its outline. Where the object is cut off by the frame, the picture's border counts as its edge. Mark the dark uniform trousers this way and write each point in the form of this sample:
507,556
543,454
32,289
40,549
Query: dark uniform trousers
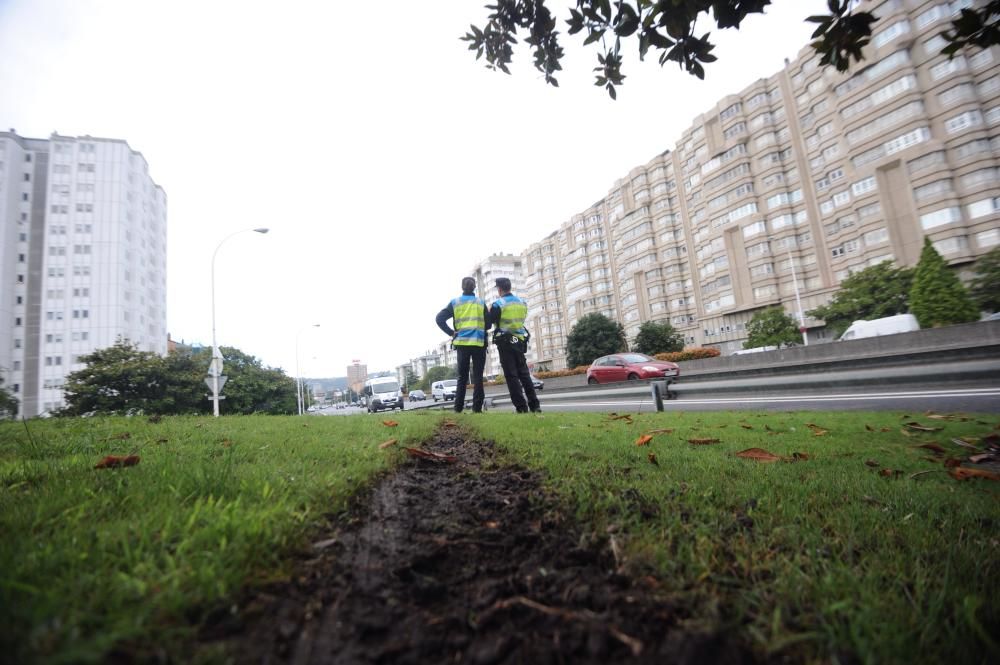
477,356
518,378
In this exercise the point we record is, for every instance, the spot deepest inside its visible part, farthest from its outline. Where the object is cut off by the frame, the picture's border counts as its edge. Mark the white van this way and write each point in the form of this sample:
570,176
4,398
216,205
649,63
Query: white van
444,390
383,393
889,325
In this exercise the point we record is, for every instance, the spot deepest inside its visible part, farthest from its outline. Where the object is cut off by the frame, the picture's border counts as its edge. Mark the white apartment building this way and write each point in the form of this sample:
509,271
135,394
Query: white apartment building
486,272
795,182
83,253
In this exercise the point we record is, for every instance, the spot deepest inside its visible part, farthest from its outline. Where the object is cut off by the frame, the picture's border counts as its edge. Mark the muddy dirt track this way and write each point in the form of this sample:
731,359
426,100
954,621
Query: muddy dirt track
464,561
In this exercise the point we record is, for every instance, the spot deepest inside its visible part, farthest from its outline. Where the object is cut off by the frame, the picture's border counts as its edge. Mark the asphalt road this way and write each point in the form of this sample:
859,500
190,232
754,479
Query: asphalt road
973,400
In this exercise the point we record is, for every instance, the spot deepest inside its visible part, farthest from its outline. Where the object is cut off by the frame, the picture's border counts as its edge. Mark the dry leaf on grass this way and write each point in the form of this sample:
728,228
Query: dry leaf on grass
386,444
644,440
652,459
952,462
116,461
226,443
982,457
964,473
932,446
799,456
666,430
427,454
702,442
449,423
966,442
626,417
119,437
917,427
817,430
890,472
746,426
758,454
869,427
390,423
872,463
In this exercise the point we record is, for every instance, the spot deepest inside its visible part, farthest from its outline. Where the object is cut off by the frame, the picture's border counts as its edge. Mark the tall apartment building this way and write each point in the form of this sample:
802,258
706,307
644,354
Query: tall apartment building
486,273
790,185
83,237
357,374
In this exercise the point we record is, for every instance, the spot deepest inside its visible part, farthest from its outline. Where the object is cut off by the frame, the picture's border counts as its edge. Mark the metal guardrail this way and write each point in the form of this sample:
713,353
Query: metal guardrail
945,372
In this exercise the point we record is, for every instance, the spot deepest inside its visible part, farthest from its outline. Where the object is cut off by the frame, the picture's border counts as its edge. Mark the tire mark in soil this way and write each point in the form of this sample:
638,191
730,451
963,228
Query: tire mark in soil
468,562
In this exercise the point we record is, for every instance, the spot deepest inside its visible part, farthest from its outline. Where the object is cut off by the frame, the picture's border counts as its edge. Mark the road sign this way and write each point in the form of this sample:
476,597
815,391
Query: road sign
210,382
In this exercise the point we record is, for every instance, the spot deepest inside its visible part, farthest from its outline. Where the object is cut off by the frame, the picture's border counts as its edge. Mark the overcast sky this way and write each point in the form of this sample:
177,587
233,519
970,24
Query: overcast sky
385,160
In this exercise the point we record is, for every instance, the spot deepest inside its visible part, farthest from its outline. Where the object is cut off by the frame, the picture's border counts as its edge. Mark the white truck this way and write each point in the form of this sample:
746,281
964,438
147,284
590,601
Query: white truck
383,393
889,325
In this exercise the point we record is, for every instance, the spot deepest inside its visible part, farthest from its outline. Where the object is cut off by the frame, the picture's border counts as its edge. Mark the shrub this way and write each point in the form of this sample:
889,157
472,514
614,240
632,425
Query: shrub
552,374
693,353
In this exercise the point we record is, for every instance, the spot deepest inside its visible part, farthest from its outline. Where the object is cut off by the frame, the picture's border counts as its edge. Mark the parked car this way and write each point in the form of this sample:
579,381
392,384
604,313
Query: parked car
995,316
443,390
889,325
538,383
417,396
630,367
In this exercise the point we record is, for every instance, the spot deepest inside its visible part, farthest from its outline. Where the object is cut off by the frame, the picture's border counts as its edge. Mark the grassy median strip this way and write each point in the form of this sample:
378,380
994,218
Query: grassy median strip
842,538
94,557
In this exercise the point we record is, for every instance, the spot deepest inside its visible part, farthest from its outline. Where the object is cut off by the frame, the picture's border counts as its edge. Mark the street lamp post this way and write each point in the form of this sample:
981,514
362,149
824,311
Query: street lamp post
298,374
798,300
215,366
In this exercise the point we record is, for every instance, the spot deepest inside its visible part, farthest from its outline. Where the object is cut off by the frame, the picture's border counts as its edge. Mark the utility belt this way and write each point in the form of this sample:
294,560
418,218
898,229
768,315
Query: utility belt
518,342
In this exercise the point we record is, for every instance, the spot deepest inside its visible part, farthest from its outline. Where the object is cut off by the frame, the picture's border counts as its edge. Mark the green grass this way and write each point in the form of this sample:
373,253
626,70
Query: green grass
90,559
839,564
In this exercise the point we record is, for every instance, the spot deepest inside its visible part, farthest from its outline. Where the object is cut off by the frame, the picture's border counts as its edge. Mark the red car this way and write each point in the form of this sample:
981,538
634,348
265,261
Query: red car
630,367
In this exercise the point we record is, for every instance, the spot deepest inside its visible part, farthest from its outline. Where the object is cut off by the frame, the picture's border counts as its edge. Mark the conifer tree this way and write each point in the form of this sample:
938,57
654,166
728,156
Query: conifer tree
937,297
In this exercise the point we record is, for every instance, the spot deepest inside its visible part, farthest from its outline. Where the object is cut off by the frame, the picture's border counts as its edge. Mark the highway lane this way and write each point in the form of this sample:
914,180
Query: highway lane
972,400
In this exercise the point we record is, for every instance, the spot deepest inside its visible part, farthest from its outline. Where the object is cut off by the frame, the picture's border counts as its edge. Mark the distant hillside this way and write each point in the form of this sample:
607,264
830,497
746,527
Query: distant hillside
328,384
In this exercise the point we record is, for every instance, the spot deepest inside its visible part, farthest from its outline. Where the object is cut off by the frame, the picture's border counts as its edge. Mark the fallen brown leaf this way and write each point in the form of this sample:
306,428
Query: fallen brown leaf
390,423
871,462
666,430
905,432
817,430
427,454
917,427
746,426
702,442
890,472
920,473
952,462
799,456
885,429
758,454
644,440
982,457
652,459
386,444
449,423
964,444
116,461
932,446
964,473
869,428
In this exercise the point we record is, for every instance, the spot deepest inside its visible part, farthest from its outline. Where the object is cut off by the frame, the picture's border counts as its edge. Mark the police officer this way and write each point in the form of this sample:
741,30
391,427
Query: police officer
468,314
508,313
